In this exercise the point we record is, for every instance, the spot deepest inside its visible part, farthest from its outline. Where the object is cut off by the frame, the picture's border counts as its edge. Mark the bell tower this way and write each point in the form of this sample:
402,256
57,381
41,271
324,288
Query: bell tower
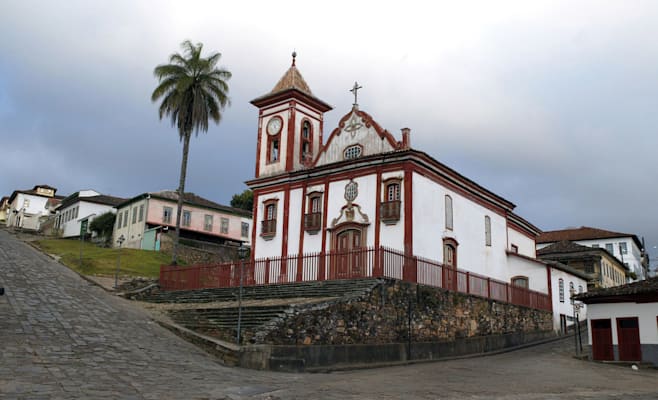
290,122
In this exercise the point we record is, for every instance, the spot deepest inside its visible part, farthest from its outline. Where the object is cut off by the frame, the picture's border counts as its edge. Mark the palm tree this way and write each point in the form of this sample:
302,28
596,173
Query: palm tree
193,90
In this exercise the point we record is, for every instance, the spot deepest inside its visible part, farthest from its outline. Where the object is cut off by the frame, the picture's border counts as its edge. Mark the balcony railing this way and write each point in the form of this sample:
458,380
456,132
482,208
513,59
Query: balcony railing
312,222
378,262
390,211
268,227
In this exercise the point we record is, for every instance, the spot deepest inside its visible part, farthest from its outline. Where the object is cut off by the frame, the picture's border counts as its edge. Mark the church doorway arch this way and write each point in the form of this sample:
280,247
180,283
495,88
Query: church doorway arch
348,250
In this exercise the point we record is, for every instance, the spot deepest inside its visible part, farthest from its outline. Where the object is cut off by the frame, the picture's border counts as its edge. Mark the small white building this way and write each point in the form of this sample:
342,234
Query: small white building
626,247
84,205
565,283
362,188
28,207
623,322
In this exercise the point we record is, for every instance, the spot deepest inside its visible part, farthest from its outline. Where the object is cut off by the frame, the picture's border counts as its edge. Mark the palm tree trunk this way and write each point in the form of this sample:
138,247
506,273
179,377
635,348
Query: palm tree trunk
181,192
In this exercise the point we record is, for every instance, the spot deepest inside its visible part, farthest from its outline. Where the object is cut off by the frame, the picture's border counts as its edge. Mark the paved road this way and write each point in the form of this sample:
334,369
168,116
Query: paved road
63,338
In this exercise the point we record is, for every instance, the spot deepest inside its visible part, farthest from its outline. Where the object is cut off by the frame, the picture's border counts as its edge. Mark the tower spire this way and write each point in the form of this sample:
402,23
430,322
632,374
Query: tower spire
294,55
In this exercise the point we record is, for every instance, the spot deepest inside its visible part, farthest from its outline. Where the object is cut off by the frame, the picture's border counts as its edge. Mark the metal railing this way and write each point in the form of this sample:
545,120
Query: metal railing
379,262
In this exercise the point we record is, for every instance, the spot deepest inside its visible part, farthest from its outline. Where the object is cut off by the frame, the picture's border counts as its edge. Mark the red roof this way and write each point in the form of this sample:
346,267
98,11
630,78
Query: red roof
583,233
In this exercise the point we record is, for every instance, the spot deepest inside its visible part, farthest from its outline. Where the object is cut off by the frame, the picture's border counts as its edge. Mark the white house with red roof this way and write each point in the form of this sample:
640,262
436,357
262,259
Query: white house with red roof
626,247
362,188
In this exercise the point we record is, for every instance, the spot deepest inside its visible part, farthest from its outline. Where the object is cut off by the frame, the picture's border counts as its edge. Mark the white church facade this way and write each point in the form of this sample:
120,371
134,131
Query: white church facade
362,188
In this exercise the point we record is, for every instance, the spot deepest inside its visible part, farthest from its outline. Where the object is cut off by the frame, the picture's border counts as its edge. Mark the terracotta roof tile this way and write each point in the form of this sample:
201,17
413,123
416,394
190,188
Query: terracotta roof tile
583,233
292,79
648,286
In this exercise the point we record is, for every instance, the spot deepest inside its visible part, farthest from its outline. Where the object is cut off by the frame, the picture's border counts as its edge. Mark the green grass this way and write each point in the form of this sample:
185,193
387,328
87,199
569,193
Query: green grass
101,261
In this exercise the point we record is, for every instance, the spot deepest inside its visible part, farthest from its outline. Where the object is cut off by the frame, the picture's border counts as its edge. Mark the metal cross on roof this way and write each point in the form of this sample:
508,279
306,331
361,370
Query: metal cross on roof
355,90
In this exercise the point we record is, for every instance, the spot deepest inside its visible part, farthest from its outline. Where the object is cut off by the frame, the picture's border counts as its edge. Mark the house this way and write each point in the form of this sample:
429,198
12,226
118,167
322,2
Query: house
603,269
623,322
27,207
566,282
81,206
625,246
142,219
4,206
362,188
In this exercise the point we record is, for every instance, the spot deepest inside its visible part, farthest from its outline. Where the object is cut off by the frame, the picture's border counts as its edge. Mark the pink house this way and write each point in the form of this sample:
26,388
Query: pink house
142,219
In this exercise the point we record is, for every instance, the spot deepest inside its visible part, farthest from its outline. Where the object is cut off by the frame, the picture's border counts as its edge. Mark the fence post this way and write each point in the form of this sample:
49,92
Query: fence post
468,282
488,288
266,279
321,269
300,268
377,271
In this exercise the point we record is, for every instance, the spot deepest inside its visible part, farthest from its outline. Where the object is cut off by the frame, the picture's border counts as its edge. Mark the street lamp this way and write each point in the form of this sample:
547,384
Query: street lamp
576,308
242,254
116,275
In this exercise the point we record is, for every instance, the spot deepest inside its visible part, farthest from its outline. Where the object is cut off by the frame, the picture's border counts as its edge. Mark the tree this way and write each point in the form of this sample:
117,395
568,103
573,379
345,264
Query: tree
244,200
103,225
193,90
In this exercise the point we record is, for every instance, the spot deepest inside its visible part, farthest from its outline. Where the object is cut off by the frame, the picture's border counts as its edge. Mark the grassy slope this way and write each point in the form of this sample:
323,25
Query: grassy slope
102,261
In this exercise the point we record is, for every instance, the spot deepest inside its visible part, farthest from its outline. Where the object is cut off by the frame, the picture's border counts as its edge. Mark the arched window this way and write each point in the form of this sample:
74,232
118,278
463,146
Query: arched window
520,281
353,151
487,230
313,215
268,225
306,142
561,283
448,207
273,128
390,207
572,291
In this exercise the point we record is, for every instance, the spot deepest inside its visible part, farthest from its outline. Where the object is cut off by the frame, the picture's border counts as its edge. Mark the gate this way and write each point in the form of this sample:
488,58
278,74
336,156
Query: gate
628,337
602,349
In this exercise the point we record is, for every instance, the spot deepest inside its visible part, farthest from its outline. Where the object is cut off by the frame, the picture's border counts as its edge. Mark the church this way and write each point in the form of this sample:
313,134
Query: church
351,203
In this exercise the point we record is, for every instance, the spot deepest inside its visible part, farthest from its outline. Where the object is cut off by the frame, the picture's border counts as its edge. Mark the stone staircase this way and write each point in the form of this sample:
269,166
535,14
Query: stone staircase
214,312
310,289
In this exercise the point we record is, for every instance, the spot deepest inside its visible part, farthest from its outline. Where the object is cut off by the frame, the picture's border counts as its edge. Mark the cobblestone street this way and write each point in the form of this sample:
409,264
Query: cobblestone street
62,337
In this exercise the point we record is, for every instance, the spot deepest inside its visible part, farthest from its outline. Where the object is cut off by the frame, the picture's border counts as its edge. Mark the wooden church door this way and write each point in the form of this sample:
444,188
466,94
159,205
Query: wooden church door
347,255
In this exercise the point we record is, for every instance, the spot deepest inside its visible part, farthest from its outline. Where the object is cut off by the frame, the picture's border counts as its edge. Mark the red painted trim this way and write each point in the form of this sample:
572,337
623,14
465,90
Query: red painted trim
286,218
290,145
301,222
378,202
254,225
550,284
325,210
408,211
258,142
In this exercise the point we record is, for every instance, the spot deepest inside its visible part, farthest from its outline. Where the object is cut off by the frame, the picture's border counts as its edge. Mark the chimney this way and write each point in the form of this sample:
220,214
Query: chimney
406,141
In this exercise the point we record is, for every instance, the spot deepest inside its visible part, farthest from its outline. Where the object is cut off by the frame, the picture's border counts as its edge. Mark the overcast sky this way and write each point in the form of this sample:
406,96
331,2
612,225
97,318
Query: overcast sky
553,105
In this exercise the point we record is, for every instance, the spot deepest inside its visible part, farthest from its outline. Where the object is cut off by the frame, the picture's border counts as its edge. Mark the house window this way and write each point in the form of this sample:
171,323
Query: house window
580,288
520,281
391,204
609,247
118,221
187,218
274,139
622,248
306,142
207,222
166,214
313,217
224,225
352,152
245,229
561,283
125,217
448,206
134,215
268,224
141,213
274,150
595,246
572,290
487,230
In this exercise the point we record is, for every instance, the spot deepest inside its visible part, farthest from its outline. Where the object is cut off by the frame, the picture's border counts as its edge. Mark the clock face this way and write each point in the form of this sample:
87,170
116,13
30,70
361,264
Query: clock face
274,126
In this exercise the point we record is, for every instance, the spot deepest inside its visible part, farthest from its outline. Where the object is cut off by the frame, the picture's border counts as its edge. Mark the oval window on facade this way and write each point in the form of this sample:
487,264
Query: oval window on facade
352,152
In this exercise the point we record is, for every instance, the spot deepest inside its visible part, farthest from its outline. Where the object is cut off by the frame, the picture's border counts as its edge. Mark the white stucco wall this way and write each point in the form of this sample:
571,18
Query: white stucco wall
468,229
534,271
646,313
565,307
525,244
132,232
270,247
71,228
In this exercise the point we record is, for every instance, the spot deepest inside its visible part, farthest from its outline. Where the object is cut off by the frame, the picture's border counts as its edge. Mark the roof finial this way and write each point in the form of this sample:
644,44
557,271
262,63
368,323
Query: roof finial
294,55
355,90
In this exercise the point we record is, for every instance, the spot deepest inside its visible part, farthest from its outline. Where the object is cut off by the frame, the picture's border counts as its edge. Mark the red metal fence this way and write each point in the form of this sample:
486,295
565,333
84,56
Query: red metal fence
379,262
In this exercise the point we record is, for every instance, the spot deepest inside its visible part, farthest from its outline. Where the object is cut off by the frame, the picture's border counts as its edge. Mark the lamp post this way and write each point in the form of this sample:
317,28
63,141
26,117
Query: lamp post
242,254
116,275
576,307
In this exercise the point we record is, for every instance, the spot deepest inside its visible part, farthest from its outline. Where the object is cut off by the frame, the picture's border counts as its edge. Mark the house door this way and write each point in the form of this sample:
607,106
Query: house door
602,340
628,337
449,264
563,324
348,255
